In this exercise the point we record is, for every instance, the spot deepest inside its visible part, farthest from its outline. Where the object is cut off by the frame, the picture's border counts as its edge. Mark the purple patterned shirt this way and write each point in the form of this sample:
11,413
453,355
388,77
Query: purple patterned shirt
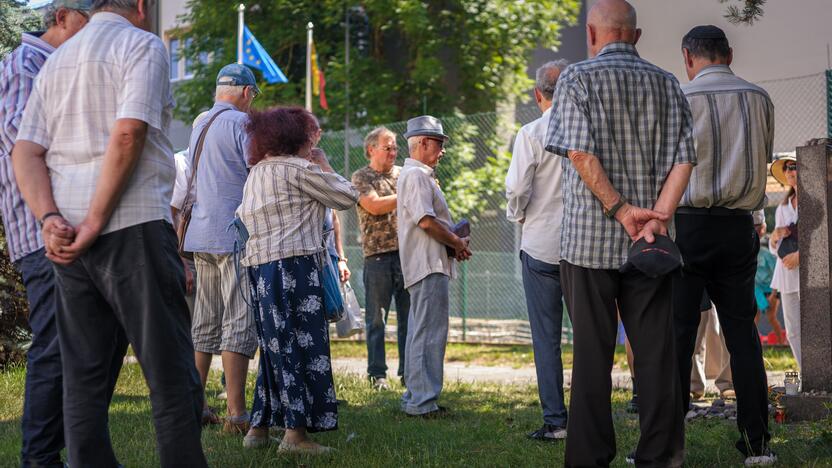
17,77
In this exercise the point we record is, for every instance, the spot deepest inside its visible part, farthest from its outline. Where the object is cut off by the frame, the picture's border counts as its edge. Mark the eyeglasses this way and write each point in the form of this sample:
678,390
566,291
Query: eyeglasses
254,92
790,167
83,13
388,148
439,141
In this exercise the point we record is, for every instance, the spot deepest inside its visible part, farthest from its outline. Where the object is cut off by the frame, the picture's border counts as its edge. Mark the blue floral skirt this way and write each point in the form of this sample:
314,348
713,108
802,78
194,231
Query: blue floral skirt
294,384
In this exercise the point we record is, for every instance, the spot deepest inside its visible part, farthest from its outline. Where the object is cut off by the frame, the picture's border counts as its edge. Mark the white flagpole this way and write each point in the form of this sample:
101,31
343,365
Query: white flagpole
241,9
309,28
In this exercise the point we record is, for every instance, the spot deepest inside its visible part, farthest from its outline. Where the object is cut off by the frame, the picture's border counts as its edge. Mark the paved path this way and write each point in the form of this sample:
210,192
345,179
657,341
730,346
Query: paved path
456,371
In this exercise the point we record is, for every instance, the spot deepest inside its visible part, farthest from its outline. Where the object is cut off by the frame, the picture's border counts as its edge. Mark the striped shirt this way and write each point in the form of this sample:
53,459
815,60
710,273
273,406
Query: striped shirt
283,208
733,128
17,77
635,119
110,70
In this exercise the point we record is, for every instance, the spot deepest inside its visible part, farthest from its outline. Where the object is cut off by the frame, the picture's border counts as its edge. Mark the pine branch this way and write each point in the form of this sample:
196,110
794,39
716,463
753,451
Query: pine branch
751,11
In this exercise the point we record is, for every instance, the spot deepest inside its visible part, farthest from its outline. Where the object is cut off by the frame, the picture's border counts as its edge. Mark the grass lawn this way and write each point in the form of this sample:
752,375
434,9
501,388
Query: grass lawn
487,429
776,358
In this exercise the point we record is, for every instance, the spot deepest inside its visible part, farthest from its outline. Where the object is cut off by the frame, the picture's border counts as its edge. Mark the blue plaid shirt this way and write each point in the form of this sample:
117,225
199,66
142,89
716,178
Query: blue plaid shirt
635,119
17,77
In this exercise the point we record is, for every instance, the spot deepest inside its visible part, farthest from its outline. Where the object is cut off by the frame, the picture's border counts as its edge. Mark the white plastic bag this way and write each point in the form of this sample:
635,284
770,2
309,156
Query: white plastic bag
351,323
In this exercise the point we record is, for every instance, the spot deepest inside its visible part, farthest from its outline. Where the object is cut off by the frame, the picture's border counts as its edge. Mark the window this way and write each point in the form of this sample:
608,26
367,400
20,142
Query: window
174,59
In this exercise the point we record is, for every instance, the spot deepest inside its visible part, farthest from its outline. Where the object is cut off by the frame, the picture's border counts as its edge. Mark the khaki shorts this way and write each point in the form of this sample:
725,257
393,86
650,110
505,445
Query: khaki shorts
222,321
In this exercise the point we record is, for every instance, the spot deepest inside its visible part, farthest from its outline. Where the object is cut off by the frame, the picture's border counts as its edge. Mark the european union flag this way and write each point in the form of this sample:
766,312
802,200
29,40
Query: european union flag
254,55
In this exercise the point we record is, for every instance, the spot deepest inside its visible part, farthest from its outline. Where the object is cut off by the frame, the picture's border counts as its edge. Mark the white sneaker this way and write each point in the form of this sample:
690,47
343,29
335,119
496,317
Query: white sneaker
768,458
223,395
380,383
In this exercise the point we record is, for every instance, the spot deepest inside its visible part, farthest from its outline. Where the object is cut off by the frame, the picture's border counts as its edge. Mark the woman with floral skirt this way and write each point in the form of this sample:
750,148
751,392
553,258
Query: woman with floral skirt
284,200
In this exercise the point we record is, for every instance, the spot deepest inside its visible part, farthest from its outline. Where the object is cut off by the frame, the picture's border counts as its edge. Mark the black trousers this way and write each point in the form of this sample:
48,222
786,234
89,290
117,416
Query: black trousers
720,255
592,298
131,284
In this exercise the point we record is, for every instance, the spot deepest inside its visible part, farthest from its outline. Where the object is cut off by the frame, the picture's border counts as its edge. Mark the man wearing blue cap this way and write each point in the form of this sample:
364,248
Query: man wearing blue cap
430,250
95,166
222,323
42,421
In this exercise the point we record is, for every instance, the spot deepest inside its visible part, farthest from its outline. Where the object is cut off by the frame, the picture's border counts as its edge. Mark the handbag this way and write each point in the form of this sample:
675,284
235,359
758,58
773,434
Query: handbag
188,203
351,323
788,244
240,239
333,302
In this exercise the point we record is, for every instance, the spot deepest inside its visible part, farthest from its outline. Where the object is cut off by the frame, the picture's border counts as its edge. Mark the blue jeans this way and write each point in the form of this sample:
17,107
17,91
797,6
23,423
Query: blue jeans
383,280
42,424
544,300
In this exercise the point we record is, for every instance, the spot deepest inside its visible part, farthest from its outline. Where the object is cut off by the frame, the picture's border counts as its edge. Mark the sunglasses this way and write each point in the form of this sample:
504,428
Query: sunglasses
439,141
790,167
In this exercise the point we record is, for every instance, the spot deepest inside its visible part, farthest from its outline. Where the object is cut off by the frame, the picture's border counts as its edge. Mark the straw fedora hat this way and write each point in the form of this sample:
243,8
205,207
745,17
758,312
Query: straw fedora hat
777,167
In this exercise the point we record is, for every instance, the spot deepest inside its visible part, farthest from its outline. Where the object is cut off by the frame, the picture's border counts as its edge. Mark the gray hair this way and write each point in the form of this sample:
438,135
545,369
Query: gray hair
128,5
372,138
413,143
230,91
546,77
50,16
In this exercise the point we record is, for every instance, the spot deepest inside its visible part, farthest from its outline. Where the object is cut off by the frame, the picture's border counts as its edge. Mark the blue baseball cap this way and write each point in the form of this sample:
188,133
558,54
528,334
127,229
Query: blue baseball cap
235,74
83,5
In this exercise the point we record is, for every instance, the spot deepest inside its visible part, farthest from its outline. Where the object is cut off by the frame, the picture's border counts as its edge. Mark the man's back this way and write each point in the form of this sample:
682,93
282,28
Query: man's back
634,118
110,70
220,176
734,136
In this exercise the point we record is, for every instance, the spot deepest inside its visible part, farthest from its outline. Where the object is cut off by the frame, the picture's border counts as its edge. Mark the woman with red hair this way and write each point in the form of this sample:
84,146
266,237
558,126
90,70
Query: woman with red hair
284,200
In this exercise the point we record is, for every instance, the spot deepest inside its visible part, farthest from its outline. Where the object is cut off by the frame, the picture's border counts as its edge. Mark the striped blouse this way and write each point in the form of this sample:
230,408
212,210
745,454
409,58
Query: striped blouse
284,202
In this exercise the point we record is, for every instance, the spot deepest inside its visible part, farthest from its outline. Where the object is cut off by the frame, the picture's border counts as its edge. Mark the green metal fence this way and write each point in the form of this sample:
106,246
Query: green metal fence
487,300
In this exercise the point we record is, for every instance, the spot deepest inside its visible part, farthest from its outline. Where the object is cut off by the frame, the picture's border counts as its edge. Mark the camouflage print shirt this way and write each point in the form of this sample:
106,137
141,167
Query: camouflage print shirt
378,232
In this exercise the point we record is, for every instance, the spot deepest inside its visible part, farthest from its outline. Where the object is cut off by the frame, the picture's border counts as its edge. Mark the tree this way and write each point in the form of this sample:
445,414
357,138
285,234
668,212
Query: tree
15,18
408,57
752,10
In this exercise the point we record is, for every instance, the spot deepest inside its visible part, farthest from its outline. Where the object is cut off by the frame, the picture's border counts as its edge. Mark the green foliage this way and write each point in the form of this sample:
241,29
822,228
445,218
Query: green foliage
751,11
15,18
433,56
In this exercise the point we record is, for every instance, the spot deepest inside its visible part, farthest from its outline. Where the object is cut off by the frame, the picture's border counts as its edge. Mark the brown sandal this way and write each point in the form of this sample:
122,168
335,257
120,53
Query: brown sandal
209,416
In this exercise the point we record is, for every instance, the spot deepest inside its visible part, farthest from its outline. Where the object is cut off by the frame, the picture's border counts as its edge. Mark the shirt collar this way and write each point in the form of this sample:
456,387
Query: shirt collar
410,162
718,68
618,48
109,16
227,105
33,39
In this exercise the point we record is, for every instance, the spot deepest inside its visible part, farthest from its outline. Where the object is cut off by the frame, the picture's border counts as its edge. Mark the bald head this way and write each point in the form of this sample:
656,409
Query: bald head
611,21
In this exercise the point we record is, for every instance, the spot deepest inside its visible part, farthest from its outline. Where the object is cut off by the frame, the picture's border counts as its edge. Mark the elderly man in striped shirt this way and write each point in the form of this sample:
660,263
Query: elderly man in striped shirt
734,134
92,156
625,126
42,421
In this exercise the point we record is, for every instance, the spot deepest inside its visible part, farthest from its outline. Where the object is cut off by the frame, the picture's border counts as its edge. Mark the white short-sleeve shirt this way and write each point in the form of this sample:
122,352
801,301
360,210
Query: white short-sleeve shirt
419,195
110,70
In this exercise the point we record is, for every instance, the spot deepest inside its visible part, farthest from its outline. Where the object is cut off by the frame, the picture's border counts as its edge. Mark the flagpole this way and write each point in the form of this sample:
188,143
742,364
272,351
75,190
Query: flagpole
309,28
241,11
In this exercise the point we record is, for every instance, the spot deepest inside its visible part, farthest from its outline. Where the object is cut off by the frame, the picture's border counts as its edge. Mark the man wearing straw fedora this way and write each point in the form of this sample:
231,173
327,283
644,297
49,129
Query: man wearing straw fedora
429,250
734,134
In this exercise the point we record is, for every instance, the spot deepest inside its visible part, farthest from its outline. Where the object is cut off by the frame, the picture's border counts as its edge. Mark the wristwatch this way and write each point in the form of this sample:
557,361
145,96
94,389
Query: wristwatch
614,209
343,259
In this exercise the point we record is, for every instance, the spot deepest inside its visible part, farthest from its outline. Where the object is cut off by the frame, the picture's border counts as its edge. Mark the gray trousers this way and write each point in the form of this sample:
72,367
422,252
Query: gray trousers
544,300
427,336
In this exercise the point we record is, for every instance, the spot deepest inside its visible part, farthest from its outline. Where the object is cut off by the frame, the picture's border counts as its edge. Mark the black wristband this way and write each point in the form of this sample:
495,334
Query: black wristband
49,215
612,211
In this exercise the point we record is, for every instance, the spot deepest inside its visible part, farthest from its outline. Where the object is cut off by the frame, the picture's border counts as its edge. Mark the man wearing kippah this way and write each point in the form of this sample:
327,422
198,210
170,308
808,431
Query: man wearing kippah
42,421
733,134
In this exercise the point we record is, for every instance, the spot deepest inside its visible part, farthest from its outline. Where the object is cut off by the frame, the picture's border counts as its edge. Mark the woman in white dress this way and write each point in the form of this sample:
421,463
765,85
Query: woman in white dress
786,277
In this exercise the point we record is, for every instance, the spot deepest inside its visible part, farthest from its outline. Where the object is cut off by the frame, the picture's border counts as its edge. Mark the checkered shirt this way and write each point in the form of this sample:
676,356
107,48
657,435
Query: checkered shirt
635,119
110,70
